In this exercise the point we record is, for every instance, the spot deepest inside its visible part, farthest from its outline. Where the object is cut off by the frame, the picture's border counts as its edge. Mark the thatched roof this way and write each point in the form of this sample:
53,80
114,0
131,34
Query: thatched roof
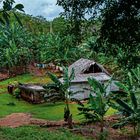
81,66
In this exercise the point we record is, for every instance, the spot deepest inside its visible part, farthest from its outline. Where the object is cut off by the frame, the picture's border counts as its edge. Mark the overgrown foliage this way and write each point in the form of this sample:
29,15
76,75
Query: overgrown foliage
131,109
62,92
75,11
7,8
13,47
98,103
116,35
57,49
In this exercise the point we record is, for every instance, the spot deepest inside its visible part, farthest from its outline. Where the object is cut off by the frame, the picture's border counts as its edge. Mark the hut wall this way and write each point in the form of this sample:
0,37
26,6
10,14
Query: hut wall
85,91
81,88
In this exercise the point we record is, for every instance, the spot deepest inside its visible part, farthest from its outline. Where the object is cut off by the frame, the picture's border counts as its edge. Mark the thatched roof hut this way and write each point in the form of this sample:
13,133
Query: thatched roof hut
83,69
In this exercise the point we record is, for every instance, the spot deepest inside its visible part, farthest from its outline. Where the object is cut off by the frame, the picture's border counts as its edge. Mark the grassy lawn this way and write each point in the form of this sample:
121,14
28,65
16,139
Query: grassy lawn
36,133
26,78
47,111
44,111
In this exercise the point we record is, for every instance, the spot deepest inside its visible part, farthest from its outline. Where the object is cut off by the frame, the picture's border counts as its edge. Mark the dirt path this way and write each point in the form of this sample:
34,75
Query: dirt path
90,130
15,120
21,119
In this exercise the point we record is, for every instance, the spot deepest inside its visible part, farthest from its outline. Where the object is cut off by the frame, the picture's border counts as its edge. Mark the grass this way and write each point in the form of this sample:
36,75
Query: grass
37,133
49,111
26,78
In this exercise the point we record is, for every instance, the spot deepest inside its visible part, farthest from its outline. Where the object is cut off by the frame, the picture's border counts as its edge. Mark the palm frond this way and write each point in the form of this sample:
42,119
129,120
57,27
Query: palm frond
66,77
72,74
130,79
136,73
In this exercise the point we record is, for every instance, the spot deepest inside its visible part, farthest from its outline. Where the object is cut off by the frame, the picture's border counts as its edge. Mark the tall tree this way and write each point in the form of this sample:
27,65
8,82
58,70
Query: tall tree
121,27
120,24
75,11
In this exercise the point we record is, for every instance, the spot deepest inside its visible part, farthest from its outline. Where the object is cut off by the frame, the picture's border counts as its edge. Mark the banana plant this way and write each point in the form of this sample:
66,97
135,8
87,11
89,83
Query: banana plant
63,92
10,55
98,103
131,108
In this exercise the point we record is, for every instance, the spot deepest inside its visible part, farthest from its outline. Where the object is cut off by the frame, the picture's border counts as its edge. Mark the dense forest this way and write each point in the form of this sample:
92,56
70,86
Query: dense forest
73,34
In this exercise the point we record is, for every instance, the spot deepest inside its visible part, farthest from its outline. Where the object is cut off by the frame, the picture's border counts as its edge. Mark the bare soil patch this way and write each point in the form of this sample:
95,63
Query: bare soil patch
21,119
88,130
15,120
3,76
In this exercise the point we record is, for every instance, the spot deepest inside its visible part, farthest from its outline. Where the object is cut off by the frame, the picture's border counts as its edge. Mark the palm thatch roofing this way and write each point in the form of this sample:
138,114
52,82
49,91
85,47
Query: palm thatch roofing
85,68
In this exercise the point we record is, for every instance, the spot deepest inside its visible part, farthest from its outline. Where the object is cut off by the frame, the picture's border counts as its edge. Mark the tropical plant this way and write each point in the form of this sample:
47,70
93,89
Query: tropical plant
98,103
116,18
132,107
14,46
63,92
14,56
57,49
7,8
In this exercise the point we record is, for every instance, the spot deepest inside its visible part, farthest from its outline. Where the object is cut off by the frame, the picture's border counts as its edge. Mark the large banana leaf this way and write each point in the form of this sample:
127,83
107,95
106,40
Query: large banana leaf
55,80
136,73
122,86
134,100
125,106
98,104
66,77
96,85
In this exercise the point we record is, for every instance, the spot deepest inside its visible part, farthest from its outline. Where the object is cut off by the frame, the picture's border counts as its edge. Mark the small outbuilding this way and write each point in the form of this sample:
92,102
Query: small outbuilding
84,69
32,93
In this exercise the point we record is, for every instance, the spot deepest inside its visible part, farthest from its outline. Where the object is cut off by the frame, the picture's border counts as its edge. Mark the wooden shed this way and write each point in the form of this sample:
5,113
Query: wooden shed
85,69
32,93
